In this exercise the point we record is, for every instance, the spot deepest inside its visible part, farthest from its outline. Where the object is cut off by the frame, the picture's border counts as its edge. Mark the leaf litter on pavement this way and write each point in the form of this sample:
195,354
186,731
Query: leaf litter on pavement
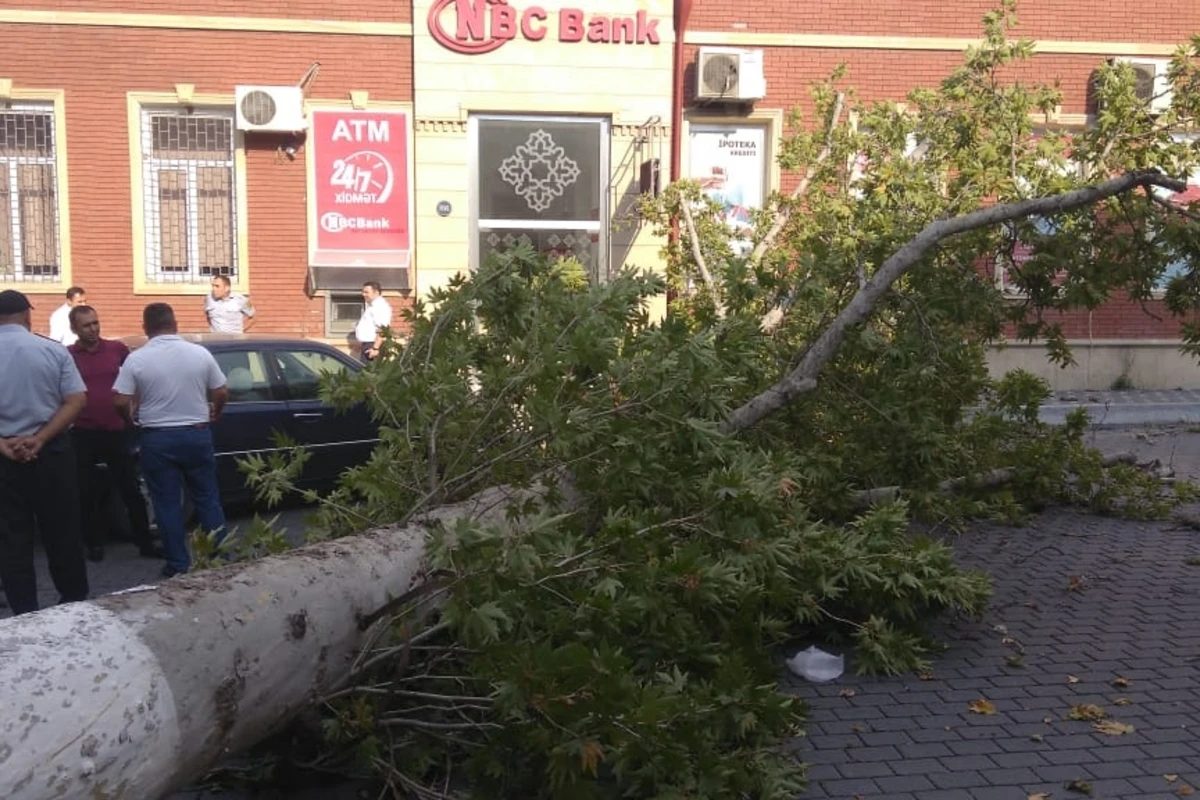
1086,713
1081,786
982,706
1110,727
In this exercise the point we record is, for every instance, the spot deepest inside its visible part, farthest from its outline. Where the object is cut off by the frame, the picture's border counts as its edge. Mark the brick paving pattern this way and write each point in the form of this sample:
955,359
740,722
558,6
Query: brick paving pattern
1134,614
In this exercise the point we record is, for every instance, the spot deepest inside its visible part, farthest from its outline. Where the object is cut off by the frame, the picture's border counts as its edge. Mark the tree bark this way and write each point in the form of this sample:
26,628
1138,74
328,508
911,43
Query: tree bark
803,378
130,696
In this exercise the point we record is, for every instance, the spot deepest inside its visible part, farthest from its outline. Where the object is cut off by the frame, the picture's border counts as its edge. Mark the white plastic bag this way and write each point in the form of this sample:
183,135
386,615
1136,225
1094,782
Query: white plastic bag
815,665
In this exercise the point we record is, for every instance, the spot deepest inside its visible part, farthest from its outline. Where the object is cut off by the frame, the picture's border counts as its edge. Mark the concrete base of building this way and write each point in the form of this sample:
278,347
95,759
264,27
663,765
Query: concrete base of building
1150,364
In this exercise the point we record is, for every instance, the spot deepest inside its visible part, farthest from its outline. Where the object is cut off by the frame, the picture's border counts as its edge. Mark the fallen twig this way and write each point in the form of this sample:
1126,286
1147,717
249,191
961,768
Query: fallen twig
986,480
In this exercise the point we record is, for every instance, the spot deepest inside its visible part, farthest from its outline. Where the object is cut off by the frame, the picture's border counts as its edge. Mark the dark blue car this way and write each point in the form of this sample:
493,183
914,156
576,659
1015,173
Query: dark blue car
273,386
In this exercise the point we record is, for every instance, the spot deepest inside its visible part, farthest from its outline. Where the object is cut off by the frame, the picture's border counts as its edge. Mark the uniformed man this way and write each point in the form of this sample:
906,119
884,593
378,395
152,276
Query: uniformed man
40,396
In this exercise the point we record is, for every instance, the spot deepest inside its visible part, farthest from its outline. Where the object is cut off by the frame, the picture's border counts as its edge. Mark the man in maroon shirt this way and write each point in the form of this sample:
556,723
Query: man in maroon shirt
102,437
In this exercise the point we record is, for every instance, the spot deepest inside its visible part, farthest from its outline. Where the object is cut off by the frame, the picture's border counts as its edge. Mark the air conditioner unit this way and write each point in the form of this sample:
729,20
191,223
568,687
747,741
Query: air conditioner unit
1151,83
277,109
726,74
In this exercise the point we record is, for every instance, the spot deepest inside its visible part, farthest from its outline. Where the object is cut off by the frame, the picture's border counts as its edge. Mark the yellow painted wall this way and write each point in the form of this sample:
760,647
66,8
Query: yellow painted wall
628,83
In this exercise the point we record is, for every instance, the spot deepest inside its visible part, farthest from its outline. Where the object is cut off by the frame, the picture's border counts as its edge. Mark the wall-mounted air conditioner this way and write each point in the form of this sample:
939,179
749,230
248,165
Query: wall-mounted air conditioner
1151,84
725,74
277,109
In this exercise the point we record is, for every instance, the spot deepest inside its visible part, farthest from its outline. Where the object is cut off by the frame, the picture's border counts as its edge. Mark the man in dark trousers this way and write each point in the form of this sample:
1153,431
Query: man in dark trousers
100,436
179,389
41,394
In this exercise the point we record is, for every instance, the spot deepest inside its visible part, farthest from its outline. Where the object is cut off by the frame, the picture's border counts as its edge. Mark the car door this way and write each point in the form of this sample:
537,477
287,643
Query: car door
256,410
337,440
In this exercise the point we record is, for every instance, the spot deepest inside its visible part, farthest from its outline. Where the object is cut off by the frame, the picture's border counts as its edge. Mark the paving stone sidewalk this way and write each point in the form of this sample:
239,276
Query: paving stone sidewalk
1083,602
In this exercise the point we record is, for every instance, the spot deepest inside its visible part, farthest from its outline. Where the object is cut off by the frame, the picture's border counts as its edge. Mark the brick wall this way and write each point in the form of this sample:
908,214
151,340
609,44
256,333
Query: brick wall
881,74
368,10
1077,20
98,66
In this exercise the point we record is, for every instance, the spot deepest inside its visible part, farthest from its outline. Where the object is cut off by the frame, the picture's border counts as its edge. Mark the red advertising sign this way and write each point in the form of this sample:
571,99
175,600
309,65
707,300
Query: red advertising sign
474,27
360,187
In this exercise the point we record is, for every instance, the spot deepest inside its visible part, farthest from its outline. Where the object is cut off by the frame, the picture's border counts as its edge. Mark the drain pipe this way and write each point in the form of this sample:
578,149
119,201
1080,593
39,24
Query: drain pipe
683,11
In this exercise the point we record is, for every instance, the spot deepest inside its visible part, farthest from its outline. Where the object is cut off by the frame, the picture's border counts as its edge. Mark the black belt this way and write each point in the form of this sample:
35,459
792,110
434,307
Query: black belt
197,426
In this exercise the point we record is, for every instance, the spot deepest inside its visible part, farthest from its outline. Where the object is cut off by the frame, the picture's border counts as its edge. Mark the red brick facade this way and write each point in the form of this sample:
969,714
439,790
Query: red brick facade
1170,21
878,73
98,61
98,65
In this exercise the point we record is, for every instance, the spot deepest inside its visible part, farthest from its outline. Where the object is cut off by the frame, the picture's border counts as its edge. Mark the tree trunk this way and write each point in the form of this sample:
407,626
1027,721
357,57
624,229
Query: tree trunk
132,695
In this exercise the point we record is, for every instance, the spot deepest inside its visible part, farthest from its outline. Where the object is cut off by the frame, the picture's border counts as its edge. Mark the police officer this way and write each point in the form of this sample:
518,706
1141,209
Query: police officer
41,394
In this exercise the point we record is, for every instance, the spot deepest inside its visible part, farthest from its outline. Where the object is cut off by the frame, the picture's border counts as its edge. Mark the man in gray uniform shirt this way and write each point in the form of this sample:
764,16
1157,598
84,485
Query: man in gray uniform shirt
41,394
227,311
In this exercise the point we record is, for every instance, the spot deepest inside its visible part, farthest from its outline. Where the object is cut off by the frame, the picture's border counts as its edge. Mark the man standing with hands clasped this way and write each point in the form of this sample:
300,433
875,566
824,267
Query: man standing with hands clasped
41,394
179,390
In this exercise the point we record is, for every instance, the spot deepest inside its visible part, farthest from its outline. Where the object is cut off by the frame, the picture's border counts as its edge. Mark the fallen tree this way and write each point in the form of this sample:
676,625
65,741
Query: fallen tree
130,696
615,639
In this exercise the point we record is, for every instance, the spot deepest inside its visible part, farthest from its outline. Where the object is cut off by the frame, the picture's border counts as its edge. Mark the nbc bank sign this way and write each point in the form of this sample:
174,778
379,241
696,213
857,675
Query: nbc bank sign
474,27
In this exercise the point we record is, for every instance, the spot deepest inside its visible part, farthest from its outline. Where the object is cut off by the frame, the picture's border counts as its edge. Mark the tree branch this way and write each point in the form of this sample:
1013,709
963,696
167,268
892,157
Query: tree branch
775,316
698,257
784,215
987,480
1167,204
802,379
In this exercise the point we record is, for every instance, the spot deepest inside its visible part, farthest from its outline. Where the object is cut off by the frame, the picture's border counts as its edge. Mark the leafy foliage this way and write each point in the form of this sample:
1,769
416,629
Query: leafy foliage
625,646
620,637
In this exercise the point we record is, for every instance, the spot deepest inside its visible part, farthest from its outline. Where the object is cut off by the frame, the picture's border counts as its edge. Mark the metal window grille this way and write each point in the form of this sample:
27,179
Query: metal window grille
188,190
29,240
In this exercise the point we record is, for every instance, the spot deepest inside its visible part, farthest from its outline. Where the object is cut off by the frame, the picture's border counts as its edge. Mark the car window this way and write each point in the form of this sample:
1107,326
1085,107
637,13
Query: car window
302,371
246,375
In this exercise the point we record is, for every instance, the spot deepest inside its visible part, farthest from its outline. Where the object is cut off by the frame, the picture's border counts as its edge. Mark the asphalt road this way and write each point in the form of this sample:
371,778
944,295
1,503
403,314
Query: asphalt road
123,568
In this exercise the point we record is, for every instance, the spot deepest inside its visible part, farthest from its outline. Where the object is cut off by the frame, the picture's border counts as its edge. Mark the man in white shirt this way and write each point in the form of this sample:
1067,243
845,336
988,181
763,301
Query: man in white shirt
179,390
376,316
227,311
60,320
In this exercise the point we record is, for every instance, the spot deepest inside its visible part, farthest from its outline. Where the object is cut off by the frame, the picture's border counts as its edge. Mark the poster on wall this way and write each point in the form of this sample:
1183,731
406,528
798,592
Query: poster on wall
1183,200
729,162
360,198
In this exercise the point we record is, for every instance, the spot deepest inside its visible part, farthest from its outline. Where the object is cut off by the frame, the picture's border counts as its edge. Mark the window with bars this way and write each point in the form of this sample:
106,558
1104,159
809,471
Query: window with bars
29,241
188,189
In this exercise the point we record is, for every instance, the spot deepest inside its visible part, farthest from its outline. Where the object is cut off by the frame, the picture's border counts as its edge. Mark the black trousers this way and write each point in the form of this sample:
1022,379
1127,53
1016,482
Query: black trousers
114,449
41,496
